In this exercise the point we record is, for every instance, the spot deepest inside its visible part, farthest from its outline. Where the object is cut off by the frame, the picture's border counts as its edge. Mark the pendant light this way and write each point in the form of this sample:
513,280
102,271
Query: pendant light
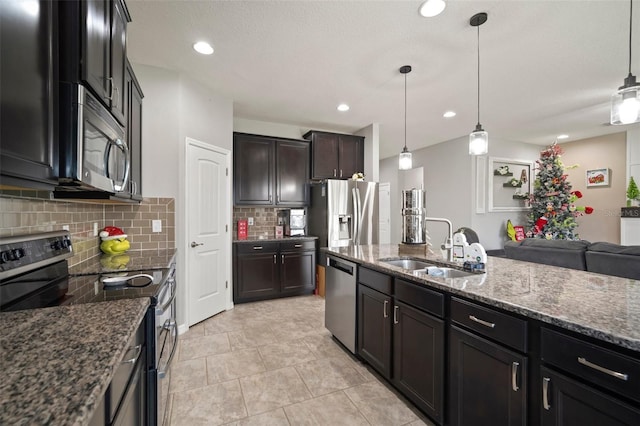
404,162
478,139
625,102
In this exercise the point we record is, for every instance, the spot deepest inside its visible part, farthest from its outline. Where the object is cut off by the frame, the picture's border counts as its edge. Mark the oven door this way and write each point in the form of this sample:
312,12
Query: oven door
166,345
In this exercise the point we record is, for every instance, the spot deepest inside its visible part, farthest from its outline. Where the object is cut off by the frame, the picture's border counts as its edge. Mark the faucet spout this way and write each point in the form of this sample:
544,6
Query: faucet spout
450,239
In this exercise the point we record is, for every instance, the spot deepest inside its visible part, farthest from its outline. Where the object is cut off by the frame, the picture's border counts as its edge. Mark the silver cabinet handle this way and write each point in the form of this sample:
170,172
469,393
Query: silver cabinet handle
385,314
335,173
514,376
138,349
194,244
483,322
274,259
257,247
545,393
297,245
110,80
340,172
283,259
604,370
395,314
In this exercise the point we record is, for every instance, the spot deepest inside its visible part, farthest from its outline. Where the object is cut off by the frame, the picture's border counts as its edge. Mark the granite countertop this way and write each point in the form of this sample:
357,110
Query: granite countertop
129,261
601,306
273,239
57,362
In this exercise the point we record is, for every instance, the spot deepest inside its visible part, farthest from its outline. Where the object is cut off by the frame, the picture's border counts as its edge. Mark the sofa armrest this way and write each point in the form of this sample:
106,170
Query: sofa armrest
566,254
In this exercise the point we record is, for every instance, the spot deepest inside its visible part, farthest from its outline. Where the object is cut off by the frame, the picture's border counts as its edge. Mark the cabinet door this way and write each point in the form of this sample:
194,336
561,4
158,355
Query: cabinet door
324,156
118,62
134,131
256,277
96,67
253,166
374,329
566,402
292,173
28,93
351,154
298,271
487,382
418,358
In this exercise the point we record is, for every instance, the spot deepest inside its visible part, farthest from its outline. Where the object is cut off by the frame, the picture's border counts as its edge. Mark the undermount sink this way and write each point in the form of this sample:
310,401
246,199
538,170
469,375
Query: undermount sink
443,272
411,264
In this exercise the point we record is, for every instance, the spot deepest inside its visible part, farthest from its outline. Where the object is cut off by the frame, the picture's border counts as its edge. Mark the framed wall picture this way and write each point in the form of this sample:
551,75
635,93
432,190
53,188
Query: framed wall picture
510,183
597,177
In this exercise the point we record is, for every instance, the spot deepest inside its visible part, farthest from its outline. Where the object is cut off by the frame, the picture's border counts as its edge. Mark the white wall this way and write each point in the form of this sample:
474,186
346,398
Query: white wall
371,136
175,108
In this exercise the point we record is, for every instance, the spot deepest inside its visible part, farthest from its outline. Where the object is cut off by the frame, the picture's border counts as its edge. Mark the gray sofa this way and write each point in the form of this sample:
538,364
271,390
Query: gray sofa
602,258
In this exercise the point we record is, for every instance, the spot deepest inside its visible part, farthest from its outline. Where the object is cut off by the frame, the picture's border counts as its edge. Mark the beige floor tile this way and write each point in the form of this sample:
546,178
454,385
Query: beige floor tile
379,405
421,423
232,365
271,418
186,375
323,346
224,322
212,405
329,375
293,329
273,389
203,346
332,409
251,337
194,331
284,354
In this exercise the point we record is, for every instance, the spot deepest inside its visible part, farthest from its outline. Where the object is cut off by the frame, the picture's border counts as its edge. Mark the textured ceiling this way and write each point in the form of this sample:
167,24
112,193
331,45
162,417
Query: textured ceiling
547,67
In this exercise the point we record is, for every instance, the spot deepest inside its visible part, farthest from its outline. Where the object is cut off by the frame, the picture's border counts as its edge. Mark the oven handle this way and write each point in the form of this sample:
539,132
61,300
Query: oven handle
171,283
168,325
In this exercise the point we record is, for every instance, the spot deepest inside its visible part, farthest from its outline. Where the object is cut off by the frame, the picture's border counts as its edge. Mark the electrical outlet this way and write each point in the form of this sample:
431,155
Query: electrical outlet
250,221
65,227
95,229
156,225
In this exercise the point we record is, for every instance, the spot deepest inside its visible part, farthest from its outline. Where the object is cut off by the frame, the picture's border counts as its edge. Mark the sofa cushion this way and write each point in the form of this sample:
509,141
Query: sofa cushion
566,254
615,249
614,259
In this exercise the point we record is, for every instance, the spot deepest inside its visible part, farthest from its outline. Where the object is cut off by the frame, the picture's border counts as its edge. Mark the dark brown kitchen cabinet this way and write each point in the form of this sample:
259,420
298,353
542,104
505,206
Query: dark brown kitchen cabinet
335,156
270,171
28,95
374,329
487,382
266,270
98,56
133,102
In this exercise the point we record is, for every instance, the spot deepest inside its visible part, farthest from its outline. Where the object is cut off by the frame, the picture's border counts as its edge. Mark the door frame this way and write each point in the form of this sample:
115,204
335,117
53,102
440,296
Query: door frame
184,240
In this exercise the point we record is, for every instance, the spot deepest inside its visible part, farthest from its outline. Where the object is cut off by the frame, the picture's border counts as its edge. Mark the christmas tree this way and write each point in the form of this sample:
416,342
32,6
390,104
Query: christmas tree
553,210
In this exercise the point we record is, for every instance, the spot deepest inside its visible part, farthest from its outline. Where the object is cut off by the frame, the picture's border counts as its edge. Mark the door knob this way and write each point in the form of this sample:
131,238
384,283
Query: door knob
194,244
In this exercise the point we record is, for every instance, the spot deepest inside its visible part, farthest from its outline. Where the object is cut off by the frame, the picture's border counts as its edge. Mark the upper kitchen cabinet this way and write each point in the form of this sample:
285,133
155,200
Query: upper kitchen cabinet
98,56
270,171
335,156
28,94
133,107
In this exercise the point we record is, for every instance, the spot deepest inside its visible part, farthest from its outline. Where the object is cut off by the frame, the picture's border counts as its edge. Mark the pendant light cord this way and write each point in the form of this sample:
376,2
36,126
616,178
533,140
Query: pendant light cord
630,27
478,27
405,112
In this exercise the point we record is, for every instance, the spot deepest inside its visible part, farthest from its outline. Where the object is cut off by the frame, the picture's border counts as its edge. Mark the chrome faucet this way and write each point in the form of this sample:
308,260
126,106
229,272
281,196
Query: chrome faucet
448,245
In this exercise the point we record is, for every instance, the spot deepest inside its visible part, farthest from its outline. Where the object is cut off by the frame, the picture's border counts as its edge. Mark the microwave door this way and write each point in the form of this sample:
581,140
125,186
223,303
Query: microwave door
95,146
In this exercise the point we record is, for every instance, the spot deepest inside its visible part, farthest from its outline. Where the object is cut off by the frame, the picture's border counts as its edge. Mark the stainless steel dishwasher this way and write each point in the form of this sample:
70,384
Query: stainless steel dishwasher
340,301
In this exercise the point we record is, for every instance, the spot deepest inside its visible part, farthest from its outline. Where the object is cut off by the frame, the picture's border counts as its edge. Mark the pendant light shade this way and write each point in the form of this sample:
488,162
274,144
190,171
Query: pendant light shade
478,139
405,161
625,102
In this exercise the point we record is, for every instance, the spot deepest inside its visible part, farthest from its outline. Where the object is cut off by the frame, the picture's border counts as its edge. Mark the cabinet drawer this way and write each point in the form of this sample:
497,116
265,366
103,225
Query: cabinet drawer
376,280
500,327
297,245
593,363
256,247
124,370
420,297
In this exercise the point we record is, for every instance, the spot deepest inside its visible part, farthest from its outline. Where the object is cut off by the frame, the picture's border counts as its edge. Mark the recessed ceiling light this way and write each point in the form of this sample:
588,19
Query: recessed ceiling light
562,137
431,8
203,47
449,114
343,107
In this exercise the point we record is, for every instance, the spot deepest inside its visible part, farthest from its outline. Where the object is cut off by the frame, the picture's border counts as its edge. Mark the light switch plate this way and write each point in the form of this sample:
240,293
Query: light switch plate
156,225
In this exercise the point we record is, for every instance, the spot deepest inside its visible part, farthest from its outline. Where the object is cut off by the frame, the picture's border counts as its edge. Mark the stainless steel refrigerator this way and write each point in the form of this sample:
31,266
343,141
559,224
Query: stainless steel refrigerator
343,213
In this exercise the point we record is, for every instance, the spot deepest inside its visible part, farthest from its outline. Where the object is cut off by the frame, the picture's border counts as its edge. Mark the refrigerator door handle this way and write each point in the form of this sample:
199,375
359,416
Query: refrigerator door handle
360,215
356,216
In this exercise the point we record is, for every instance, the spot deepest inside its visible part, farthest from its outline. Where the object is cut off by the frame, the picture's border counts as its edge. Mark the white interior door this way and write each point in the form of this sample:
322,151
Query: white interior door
384,214
208,245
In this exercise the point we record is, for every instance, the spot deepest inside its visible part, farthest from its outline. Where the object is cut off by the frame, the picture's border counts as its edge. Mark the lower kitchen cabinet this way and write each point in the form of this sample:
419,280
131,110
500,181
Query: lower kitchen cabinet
418,358
566,402
273,269
374,329
487,382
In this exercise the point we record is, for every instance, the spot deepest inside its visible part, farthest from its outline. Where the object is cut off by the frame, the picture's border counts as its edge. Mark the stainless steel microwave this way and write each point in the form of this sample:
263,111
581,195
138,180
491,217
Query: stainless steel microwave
94,155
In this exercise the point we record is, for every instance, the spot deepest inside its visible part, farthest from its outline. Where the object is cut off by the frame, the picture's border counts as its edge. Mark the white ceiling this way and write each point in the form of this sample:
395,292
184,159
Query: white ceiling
547,67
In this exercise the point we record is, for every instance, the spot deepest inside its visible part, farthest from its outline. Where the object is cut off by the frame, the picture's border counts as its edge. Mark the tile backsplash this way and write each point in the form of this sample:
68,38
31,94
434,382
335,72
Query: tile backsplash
265,220
26,216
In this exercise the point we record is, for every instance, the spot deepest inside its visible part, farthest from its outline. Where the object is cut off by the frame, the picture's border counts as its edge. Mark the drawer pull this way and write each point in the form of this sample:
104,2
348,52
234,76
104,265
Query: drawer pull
483,322
257,247
385,314
298,245
274,259
514,376
545,393
615,374
395,314
138,349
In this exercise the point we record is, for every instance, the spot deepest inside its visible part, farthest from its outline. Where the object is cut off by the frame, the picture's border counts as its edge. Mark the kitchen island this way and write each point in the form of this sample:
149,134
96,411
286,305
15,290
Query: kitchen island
523,343
58,362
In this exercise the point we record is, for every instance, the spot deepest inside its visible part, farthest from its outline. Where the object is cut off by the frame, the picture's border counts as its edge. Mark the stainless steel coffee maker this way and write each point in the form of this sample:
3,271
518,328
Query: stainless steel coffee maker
413,216
294,221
